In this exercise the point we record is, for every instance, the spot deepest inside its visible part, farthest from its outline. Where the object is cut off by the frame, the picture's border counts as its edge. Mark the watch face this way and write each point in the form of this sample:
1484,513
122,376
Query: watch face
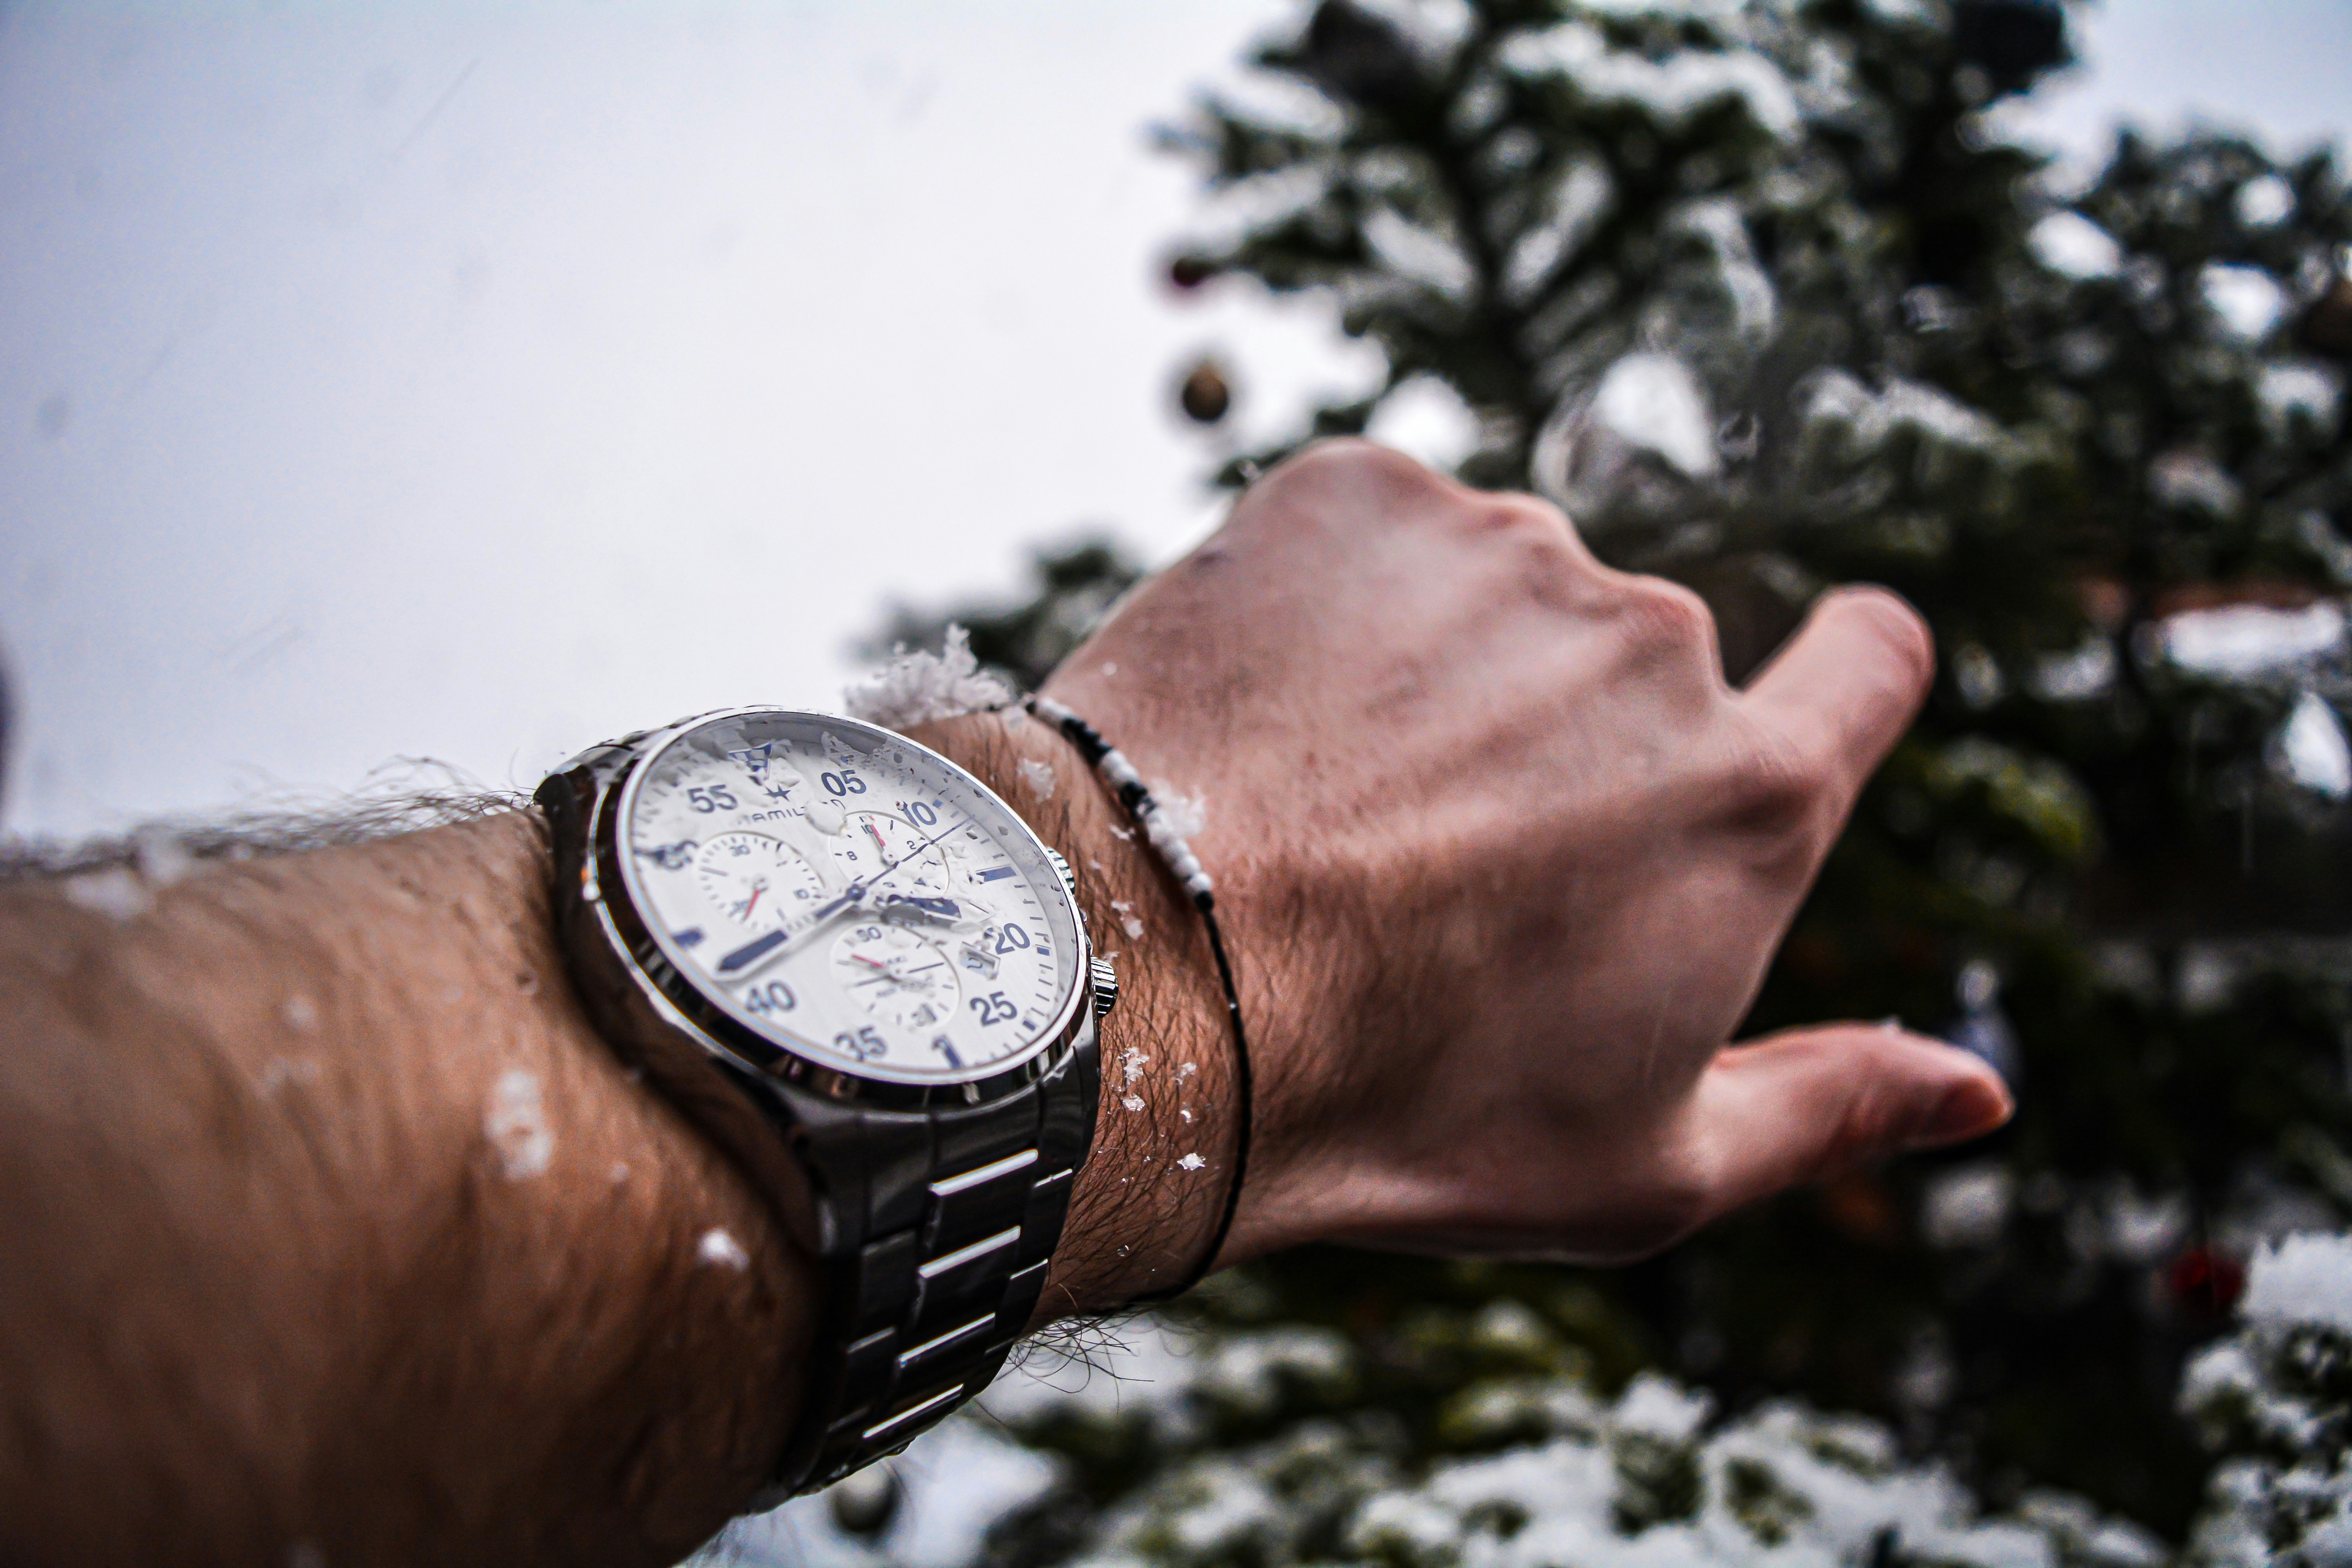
850,897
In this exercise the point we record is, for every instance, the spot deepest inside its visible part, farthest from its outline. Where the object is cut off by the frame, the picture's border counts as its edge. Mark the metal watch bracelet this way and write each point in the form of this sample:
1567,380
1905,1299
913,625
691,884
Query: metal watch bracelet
960,1214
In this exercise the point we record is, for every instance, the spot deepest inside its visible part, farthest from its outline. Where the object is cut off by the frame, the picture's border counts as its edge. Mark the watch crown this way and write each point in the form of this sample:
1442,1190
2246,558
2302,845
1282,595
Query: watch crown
1106,980
1069,878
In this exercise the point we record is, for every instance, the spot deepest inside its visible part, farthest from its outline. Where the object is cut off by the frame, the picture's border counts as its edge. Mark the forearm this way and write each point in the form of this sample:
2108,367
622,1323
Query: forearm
330,1218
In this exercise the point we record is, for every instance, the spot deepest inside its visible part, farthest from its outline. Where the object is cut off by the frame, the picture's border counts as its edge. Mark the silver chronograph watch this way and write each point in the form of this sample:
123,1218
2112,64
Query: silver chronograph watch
859,970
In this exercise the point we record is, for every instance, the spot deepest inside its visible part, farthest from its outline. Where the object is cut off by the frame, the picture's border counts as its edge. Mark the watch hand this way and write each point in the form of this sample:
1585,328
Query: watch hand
788,937
750,952
945,910
891,866
902,978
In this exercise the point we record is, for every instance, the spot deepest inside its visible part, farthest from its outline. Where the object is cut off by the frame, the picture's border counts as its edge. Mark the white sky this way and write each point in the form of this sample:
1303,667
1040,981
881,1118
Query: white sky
477,381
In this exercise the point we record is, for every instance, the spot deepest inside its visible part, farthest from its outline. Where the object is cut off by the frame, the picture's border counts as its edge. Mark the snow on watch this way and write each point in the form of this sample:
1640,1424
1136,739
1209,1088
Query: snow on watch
859,970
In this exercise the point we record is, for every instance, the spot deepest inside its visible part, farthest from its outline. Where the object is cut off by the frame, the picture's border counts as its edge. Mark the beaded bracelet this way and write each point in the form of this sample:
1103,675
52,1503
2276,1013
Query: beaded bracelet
1185,867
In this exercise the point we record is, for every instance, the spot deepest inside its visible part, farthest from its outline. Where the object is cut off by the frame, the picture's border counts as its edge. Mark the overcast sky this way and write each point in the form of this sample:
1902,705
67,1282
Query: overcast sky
477,381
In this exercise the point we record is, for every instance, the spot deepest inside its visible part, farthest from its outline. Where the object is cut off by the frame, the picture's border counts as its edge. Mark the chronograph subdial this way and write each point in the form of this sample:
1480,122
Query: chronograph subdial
870,840
755,880
895,975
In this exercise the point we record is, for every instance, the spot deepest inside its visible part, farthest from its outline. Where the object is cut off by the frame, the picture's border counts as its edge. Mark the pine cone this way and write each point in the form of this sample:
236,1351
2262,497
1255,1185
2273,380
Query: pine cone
1205,395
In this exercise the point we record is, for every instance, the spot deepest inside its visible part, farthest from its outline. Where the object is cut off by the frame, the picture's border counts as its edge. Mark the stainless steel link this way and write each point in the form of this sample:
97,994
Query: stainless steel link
932,1308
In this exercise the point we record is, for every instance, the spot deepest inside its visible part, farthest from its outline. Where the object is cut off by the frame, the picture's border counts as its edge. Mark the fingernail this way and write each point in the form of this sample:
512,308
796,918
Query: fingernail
1970,1108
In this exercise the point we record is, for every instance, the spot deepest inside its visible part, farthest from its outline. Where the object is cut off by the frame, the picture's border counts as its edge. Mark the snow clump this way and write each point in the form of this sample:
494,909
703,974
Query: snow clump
1673,91
918,687
1653,403
2248,301
2301,1279
1185,814
2312,750
720,1249
2240,641
2072,246
2275,1401
516,1125
114,891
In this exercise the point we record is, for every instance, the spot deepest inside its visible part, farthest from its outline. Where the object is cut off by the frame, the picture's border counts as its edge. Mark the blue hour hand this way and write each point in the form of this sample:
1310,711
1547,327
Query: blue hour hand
751,952
790,933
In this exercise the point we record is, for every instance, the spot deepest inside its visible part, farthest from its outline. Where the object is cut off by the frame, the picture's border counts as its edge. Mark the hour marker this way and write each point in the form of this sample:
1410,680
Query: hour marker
948,1050
687,937
998,875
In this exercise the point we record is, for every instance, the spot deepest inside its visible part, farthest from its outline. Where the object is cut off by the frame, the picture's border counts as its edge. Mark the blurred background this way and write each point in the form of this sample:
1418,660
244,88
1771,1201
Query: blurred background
403,380
474,384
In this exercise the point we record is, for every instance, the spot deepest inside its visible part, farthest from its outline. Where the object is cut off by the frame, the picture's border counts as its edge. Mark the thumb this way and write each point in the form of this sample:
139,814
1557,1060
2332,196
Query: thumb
1806,1104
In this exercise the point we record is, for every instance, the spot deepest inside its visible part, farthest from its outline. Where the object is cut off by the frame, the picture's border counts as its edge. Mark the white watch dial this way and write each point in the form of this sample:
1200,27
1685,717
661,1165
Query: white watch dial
850,896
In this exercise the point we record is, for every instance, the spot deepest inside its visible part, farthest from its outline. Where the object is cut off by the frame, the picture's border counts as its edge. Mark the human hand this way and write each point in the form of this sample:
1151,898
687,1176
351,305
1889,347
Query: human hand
1502,862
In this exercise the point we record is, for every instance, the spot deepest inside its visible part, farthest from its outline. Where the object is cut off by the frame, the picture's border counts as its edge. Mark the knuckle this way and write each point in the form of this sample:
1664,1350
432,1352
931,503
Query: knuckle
1519,516
1660,616
1531,538
1352,464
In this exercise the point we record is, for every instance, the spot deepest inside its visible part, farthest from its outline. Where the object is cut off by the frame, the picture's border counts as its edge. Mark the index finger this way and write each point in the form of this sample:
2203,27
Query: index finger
1843,690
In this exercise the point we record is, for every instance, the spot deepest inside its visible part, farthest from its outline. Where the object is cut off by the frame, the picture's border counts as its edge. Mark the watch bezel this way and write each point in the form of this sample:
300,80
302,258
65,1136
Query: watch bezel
680,998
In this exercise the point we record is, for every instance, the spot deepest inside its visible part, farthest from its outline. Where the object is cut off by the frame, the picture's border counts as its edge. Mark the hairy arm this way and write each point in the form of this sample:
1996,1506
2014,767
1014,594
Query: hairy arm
329,1222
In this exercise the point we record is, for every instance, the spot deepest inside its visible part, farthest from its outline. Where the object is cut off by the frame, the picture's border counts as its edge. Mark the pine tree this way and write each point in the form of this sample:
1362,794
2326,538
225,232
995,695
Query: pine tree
1753,292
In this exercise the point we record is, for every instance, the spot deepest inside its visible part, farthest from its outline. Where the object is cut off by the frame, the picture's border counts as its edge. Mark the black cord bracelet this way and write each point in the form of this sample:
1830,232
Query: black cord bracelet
1185,867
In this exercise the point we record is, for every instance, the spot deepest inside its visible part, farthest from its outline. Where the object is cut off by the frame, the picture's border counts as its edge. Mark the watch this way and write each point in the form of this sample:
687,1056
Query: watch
854,967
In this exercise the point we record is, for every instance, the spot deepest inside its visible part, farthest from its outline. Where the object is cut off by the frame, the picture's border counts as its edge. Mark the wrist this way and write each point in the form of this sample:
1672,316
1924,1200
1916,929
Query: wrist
1149,1200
